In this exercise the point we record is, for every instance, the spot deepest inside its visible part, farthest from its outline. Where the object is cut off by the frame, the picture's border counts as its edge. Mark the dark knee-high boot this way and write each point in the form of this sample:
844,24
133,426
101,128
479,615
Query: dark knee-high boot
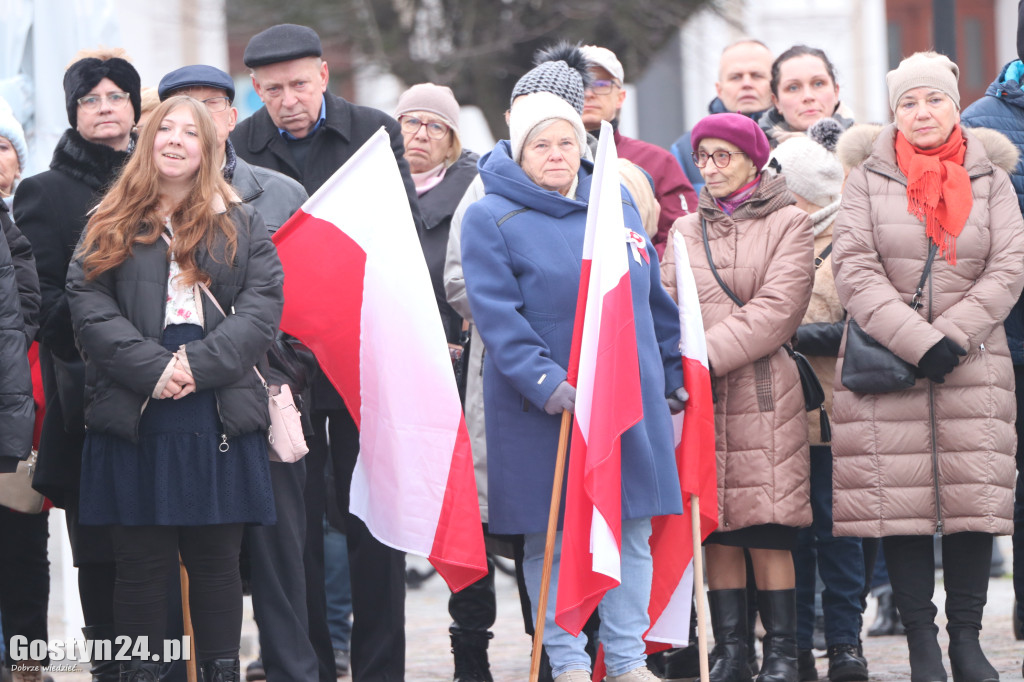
778,615
103,667
139,671
966,575
221,670
729,624
911,563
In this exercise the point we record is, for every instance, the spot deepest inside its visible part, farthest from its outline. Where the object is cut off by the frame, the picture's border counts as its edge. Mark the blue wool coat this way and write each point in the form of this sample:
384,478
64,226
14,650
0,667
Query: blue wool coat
522,249
1002,109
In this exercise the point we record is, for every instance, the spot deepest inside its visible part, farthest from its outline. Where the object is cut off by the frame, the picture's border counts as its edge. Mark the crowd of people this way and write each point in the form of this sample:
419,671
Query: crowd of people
140,278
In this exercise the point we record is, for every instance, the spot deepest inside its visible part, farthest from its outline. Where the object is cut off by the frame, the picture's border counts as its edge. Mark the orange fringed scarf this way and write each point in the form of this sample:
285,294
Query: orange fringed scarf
938,188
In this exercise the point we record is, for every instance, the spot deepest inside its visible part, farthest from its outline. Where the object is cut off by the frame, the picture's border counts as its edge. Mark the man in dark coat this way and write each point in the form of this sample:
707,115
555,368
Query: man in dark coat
307,133
274,553
1002,109
101,91
743,87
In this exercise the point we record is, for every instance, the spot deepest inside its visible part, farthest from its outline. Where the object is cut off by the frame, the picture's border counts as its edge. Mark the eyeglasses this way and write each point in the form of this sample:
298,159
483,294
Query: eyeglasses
601,87
721,158
411,125
116,100
215,105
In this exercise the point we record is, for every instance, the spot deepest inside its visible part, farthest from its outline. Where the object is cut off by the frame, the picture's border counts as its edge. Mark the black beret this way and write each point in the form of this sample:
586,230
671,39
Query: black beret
282,43
85,74
198,75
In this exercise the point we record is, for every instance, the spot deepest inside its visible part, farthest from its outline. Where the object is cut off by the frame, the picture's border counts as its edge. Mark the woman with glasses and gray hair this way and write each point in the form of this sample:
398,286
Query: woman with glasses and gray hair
751,252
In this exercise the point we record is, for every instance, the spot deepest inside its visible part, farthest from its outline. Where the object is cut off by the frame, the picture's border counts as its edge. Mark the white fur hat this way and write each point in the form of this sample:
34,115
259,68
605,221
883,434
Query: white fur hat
811,170
540,108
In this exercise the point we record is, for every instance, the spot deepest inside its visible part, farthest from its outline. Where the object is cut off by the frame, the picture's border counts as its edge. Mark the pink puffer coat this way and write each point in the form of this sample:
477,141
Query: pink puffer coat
764,252
936,457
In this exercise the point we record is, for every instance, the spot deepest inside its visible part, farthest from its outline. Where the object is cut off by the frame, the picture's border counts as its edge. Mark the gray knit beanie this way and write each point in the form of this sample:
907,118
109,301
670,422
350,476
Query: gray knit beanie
562,70
924,69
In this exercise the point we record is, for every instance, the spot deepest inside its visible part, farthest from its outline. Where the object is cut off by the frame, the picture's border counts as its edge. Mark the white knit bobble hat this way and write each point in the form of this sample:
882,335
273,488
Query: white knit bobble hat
538,108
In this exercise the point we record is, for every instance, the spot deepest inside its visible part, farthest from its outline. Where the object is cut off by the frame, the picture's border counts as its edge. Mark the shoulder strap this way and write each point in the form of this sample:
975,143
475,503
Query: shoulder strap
916,302
714,270
822,256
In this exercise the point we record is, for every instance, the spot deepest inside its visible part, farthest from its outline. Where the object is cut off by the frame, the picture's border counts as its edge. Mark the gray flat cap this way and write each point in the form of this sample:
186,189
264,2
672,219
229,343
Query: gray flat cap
282,43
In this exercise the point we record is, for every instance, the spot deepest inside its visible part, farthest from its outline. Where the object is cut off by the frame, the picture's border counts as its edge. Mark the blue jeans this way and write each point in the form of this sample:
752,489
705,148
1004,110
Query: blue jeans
623,610
338,587
839,561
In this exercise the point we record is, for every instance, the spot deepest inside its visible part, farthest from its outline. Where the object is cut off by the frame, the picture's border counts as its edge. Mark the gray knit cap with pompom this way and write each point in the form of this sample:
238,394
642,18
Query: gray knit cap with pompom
562,70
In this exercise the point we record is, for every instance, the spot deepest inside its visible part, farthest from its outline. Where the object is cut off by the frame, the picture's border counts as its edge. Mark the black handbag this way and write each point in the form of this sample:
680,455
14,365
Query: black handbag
870,367
814,394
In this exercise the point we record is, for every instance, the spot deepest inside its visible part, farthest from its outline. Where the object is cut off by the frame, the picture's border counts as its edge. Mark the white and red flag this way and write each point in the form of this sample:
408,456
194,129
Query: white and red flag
606,370
672,541
358,294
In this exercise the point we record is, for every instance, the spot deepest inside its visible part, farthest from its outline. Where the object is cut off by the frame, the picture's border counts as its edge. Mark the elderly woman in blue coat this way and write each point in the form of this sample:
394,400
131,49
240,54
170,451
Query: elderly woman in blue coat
522,247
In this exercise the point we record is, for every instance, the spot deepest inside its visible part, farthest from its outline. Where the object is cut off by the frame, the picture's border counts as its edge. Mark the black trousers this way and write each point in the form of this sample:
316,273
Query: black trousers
377,572
147,555
24,576
278,580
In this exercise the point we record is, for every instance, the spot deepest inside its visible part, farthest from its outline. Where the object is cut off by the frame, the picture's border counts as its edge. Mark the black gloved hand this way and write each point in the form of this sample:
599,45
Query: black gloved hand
940,360
564,398
677,400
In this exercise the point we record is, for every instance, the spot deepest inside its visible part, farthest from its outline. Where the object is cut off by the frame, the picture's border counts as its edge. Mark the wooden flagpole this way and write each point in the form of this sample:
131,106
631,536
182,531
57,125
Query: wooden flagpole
698,589
186,617
549,545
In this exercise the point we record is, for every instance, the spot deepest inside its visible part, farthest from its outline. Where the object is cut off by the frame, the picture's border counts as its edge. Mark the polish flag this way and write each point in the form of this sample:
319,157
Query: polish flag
672,536
605,369
358,294
672,541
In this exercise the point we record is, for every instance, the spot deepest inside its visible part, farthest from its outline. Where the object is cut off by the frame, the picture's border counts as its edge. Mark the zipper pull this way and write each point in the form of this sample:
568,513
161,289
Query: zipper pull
224,446
270,434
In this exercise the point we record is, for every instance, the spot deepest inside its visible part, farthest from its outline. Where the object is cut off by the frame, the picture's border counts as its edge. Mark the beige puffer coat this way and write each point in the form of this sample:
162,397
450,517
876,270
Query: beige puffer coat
824,308
764,253
936,457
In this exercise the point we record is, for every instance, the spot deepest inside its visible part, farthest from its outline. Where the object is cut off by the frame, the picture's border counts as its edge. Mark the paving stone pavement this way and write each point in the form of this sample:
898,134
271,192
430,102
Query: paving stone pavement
428,656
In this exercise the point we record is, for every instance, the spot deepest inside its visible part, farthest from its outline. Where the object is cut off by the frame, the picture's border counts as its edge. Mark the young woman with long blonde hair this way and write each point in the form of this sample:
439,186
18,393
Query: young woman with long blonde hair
175,456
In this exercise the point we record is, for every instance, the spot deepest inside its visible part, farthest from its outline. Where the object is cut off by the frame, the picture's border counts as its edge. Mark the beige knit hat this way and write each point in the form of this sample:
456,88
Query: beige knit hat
433,99
924,69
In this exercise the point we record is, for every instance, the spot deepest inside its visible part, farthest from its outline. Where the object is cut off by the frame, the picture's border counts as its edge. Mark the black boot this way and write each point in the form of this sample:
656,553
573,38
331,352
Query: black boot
778,615
729,623
139,671
221,670
887,618
911,565
470,650
103,667
966,577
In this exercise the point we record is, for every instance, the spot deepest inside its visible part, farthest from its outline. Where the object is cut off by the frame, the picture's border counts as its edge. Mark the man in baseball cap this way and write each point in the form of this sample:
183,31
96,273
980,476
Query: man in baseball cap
604,99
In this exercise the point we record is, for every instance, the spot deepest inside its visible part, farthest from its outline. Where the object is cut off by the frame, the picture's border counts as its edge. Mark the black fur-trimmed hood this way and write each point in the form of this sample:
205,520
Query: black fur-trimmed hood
94,164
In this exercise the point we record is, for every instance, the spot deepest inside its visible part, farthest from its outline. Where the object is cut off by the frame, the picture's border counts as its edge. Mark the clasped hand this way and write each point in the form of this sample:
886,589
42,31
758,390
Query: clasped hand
180,384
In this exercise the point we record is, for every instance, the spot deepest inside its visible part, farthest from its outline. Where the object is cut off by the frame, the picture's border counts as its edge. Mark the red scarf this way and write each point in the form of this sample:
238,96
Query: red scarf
938,188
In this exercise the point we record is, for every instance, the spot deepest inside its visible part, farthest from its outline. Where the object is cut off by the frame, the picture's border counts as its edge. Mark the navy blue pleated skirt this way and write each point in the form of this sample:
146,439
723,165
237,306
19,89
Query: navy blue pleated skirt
176,475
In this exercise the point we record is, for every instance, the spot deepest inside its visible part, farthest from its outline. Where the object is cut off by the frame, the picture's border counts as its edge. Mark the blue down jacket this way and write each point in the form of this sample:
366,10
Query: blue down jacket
522,249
